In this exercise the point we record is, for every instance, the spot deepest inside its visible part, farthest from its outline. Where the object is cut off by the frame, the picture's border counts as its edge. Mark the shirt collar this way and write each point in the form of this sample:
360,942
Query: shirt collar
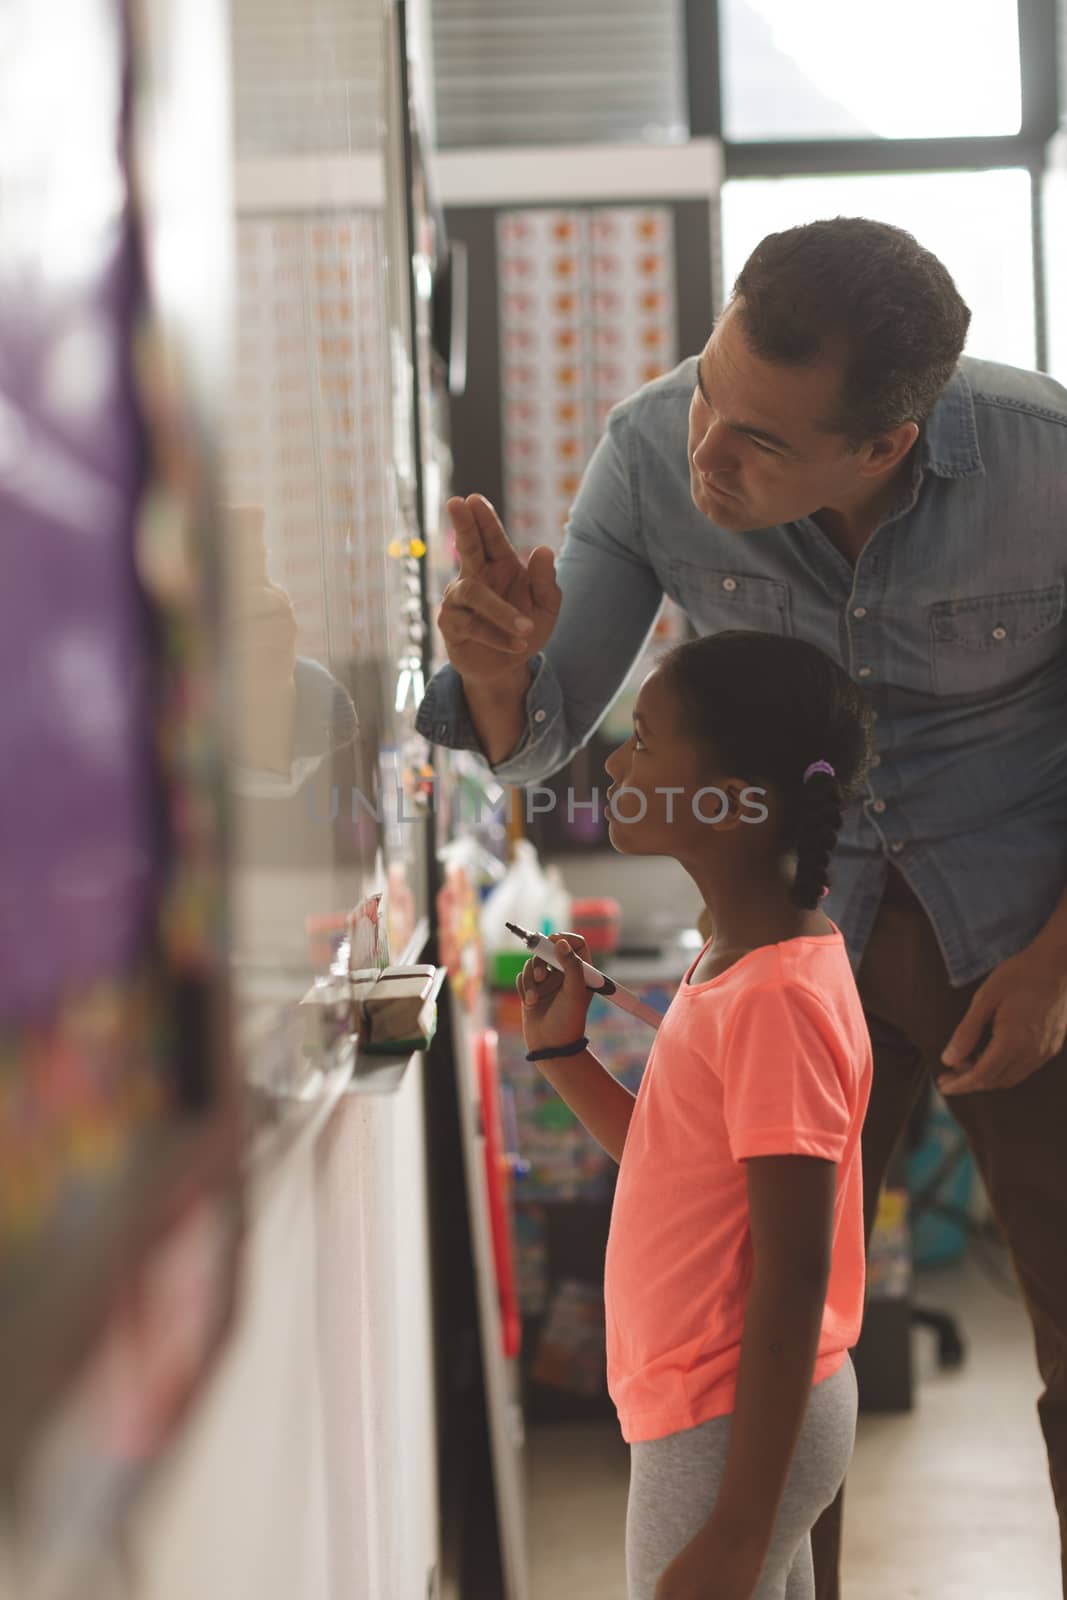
949,439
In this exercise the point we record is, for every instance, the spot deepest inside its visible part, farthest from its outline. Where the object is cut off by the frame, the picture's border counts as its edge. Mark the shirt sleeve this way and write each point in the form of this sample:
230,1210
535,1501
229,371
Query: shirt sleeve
786,1077
611,595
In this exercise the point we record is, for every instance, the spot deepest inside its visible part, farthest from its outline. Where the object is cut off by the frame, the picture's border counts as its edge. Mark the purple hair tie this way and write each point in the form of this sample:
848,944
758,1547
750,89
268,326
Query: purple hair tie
809,772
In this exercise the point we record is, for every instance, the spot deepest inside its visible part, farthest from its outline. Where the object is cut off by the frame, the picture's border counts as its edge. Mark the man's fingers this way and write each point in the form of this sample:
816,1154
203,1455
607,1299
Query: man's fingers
494,541
1000,1064
468,601
463,627
468,539
971,1082
954,1083
968,1036
480,535
541,576
473,595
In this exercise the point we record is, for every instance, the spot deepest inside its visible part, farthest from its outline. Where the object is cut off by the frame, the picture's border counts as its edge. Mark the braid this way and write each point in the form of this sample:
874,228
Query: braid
774,710
820,818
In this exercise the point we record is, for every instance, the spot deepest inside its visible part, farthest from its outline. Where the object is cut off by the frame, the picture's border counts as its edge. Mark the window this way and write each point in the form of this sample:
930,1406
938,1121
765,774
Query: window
977,223
826,69
601,71
1055,261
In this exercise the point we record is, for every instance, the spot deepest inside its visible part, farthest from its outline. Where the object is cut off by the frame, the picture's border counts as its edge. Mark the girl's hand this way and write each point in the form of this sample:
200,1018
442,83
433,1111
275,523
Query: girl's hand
555,1004
712,1568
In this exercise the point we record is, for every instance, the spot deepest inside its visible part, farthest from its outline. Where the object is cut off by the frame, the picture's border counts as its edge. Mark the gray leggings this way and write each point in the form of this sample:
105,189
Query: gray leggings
674,1482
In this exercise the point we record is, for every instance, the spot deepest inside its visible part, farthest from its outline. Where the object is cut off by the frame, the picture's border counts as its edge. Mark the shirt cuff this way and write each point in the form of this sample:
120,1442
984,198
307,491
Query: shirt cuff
443,718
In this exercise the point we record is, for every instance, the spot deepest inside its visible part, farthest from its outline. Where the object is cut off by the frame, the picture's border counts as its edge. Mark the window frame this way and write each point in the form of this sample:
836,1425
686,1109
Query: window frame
1027,149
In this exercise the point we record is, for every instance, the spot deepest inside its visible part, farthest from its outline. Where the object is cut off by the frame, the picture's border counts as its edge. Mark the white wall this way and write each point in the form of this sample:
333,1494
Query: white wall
309,1470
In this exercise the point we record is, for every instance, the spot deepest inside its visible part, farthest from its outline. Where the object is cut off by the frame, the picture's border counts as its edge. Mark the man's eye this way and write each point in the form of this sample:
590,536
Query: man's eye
768,450
637,743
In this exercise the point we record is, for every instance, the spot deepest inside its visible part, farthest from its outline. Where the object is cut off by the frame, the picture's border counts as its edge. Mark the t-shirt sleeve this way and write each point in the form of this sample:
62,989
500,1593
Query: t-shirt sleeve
786,1079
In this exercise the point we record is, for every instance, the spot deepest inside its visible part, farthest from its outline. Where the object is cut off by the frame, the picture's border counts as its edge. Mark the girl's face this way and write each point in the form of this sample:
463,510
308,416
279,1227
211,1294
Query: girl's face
655,803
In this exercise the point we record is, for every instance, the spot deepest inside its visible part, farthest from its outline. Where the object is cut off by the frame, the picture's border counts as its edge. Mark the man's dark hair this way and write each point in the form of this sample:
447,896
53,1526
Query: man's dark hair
870,290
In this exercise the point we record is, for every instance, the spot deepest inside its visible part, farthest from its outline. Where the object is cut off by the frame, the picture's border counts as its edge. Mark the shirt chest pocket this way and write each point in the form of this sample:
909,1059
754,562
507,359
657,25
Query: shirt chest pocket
716,600
994,641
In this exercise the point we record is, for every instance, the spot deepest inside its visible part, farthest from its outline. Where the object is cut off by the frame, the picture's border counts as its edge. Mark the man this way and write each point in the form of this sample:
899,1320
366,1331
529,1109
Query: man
849,479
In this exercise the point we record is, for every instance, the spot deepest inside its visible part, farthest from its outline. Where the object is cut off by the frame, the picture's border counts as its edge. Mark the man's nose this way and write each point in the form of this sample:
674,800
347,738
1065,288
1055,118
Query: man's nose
715,448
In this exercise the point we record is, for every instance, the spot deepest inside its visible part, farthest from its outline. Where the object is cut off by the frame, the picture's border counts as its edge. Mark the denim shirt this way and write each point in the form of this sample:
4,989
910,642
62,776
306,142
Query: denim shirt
952,620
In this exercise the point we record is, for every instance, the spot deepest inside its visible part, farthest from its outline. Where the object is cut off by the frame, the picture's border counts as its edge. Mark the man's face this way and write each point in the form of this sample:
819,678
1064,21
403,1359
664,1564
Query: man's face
757,455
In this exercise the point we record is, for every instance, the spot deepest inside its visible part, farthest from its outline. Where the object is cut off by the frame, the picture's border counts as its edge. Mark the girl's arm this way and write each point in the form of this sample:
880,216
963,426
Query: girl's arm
554,1009
791,1204
598,1100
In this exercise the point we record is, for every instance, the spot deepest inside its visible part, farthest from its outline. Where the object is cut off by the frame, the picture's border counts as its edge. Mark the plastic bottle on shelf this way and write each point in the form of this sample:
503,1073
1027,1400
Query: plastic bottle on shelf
522,896
558,905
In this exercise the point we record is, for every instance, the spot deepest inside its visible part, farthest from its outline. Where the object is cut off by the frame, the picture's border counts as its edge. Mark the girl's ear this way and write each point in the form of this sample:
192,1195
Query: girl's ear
740,809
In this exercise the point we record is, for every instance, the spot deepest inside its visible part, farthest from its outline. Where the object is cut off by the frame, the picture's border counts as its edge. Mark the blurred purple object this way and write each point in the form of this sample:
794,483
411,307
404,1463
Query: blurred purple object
78,830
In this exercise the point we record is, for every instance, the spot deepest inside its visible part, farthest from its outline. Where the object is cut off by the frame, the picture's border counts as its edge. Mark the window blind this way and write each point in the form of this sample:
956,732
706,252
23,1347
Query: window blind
551,72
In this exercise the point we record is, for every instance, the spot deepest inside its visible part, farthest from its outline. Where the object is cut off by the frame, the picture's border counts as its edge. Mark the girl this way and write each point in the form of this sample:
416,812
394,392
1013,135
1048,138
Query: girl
734,1275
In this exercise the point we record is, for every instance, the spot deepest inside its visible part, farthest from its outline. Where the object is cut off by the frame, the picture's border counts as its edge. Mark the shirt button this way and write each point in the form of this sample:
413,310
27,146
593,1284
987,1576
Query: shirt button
860,611
865,672
896,847
729,584
879,806
1000,633
539,716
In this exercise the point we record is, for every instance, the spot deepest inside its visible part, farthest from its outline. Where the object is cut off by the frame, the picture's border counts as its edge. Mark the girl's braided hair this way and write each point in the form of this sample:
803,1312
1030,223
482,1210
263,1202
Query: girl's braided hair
768,708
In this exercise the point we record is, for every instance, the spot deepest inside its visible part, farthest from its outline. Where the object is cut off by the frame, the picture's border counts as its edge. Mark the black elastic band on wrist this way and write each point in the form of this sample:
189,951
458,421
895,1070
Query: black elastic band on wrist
575,1048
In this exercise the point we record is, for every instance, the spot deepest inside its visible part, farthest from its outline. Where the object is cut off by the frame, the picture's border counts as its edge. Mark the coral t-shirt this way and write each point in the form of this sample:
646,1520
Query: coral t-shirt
770,1058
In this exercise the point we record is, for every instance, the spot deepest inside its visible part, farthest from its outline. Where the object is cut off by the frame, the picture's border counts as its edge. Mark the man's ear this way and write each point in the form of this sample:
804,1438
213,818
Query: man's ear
889,449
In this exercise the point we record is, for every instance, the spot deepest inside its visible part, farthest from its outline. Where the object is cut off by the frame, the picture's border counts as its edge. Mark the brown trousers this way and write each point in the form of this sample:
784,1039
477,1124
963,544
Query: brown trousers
1019,1139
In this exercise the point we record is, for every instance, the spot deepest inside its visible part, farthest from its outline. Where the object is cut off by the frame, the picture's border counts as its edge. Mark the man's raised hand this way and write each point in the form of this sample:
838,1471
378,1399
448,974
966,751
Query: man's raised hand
500,610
